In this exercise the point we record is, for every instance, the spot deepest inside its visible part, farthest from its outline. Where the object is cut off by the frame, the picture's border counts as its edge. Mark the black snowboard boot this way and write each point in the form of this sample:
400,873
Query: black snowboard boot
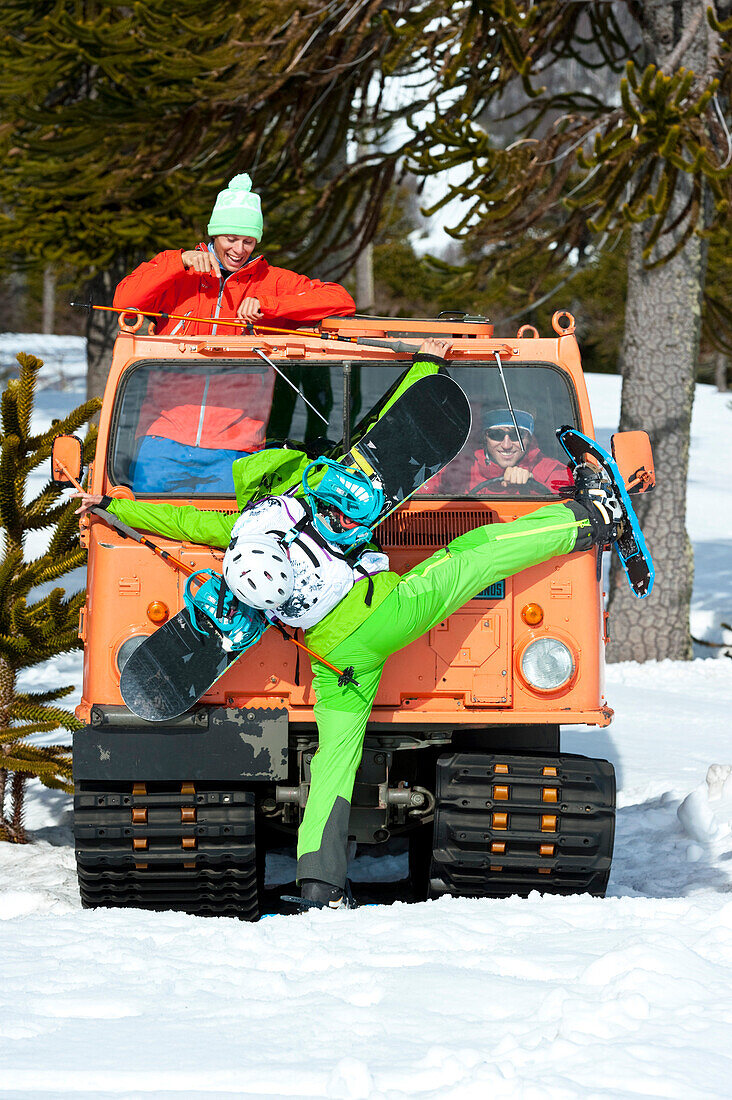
322,895
598,502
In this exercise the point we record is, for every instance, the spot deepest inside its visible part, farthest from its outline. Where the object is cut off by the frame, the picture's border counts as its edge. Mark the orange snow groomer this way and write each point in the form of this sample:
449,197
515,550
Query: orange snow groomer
220,280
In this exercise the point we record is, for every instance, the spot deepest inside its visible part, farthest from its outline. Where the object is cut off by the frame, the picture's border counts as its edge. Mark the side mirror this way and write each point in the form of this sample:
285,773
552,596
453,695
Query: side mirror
634,458
67,459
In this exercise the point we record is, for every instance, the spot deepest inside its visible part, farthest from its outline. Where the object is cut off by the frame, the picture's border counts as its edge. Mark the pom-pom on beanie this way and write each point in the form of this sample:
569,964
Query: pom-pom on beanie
237,210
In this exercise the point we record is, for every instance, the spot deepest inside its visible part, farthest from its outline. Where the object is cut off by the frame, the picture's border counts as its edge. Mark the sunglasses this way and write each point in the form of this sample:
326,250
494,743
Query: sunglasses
496,435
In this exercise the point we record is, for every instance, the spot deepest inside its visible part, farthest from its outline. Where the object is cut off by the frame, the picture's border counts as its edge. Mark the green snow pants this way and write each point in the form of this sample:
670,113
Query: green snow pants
423,597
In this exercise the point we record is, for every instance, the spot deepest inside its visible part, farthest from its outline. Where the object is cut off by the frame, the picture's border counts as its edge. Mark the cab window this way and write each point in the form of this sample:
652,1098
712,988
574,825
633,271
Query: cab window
177,428
498,460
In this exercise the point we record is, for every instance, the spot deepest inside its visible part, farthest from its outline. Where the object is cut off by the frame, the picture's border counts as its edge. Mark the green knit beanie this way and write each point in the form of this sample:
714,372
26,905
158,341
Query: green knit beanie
237,210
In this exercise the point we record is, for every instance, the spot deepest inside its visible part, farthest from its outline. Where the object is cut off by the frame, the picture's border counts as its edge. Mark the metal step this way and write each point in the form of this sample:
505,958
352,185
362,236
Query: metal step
512,824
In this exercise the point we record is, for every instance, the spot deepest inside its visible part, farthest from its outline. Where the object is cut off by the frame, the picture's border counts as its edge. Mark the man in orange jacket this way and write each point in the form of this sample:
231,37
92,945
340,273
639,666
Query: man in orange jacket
193,429
222,279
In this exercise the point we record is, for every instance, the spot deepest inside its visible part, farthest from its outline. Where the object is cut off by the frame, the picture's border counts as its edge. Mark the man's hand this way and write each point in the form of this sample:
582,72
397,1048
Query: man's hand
515,475
435,347
249,311
88,500
201,263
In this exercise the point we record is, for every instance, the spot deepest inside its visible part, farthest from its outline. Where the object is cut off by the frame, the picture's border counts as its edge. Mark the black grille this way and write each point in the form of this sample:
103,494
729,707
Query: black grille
430,530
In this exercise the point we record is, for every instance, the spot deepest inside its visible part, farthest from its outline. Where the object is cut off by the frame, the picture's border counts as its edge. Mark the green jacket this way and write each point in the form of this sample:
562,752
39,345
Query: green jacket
270,473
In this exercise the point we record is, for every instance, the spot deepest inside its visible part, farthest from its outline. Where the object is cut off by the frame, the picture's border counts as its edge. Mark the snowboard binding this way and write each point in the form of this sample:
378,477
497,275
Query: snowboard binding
595,492
321,895
241,626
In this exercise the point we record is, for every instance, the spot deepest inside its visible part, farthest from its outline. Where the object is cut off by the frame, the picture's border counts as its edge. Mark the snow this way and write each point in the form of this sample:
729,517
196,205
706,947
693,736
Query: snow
539,998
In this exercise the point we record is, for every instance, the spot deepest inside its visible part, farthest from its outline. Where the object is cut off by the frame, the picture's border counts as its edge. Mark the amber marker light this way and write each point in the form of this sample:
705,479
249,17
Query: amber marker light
532,614
157,611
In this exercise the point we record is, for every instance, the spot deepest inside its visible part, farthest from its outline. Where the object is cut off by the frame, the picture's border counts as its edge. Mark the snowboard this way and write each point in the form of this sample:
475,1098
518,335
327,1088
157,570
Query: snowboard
425,428
173,667
631,546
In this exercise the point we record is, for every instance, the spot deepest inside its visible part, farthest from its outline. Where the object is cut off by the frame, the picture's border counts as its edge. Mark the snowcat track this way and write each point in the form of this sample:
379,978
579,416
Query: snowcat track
512,824
164,846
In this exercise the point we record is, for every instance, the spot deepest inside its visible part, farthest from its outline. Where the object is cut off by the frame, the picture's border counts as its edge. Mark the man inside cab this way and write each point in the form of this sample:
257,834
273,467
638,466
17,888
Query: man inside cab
508,458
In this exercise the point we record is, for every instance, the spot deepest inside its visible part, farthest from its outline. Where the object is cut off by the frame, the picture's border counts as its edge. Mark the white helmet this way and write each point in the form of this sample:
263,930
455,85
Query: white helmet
258,571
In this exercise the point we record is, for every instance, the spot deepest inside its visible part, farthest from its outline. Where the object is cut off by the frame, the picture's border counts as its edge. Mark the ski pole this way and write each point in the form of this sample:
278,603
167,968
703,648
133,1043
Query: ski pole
345,676
378,345
124,530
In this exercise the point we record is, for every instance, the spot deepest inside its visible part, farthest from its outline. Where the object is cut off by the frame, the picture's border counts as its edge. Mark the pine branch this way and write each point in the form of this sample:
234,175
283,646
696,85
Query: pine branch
40,697
43,573
65,538
68,425
45,500
10,515
29,368
36,521
8,569
34,712
30,760
9,410
17,735
14,649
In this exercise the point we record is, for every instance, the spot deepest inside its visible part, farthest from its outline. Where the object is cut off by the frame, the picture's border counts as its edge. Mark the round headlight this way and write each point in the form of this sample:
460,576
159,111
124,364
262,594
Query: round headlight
547,664
128,647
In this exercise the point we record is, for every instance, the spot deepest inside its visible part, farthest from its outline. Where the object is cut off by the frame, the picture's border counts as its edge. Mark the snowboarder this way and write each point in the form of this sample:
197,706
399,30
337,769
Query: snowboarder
367,622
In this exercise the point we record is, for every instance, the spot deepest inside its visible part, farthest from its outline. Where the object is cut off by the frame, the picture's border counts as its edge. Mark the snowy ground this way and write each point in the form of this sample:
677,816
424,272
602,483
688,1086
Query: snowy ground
546,997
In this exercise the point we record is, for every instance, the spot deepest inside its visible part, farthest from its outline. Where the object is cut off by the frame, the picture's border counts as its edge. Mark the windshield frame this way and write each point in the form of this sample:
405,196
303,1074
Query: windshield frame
346,368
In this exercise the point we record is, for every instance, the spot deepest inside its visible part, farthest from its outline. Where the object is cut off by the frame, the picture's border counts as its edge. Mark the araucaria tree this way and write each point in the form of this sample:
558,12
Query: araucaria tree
121,122
35,624
651,157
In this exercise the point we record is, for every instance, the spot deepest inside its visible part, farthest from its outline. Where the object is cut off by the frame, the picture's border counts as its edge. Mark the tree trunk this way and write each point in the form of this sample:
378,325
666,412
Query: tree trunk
49,299
721,365
660,351
11,792
101,327
365,279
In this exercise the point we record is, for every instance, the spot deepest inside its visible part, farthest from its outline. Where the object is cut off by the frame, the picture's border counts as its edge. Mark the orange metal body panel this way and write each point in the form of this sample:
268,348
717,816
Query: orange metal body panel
465,671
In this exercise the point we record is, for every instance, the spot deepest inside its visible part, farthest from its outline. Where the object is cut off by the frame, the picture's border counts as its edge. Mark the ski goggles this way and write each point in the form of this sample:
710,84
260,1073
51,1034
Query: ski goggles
497,435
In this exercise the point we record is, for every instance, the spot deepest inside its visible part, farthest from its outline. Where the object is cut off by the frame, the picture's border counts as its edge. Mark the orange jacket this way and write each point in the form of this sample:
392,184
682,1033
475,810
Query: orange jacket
164,285
224,410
